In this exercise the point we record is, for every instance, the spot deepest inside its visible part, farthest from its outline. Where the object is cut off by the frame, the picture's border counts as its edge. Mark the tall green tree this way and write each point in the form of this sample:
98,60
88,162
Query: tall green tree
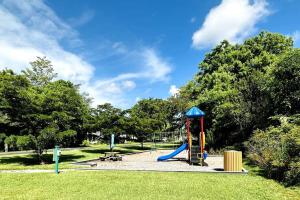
40,71
285,84
39,112
146,117
232,87
15,102
106,119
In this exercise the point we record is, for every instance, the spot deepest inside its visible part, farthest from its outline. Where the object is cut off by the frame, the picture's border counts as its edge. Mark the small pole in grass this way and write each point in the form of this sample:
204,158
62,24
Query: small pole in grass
56,154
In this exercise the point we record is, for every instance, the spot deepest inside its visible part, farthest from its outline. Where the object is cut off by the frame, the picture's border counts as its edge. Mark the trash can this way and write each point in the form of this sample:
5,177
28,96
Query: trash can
233,161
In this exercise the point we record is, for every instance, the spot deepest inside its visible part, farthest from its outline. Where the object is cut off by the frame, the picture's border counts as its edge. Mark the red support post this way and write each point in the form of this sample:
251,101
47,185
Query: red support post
188,138
202,133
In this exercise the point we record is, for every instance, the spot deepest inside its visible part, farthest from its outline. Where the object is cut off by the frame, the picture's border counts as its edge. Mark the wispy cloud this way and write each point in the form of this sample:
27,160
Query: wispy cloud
31,28
233,20
85,17
152,67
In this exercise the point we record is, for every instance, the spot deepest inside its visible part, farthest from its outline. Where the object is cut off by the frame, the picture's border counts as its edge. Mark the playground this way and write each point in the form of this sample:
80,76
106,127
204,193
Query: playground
190,156
147,161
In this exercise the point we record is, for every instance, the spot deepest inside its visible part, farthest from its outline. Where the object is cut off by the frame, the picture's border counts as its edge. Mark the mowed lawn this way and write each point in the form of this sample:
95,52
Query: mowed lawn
129,185
141,185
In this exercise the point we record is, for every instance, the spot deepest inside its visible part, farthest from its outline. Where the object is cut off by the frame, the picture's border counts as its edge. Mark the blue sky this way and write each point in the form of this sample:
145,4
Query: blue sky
122,51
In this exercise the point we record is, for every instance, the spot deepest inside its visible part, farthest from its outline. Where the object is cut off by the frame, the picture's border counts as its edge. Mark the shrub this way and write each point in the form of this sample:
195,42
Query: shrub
25,142
85,143
277,151
11,141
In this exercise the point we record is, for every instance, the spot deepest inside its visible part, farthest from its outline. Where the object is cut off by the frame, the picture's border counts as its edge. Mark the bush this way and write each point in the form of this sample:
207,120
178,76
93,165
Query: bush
11,141
25,142
277,151
85,143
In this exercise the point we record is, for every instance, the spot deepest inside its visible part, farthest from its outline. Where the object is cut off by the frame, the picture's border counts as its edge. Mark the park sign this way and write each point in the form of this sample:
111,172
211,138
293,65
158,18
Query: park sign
56,155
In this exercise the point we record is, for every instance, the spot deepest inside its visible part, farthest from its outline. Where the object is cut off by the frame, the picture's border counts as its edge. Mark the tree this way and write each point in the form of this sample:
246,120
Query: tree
37,112
41,72
285,84
232,87
146,117
106,119
15,102
25,142
60,116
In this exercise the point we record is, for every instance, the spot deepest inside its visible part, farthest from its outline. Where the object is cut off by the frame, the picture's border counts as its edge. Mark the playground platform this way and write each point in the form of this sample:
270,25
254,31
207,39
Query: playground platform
147,161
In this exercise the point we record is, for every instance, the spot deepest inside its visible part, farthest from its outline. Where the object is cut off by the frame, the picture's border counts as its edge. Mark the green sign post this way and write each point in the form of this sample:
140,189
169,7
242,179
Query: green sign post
56,154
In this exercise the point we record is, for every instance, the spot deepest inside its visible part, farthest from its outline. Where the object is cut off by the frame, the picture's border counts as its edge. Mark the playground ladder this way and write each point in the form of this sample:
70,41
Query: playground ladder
195,153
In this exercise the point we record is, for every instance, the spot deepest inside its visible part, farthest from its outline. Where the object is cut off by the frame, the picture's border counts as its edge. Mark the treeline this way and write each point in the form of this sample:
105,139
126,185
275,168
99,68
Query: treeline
251,95
141,121
37,112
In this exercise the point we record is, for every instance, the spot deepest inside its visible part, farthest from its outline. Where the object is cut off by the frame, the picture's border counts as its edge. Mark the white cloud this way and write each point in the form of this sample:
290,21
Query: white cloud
157,68
233,20
152,67
128,84
31,28
173,90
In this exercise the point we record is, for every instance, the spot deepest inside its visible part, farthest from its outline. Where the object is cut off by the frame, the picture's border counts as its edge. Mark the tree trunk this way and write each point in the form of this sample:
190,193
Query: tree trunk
6,147
39,154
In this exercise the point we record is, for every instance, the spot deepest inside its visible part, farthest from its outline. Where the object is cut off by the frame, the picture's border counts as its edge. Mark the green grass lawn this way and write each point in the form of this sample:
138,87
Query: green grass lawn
141,185
30,161
129,185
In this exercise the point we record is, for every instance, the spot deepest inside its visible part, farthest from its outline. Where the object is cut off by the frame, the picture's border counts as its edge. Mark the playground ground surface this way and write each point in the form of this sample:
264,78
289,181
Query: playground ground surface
147,161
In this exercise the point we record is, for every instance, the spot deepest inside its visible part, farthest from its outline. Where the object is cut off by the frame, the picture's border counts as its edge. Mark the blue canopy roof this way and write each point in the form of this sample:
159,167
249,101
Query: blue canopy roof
194,112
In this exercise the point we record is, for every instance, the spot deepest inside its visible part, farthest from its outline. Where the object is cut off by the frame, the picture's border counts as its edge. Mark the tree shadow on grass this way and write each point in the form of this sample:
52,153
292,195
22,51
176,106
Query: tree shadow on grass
135,147
167,146
253,168
34,160
102,151
276,175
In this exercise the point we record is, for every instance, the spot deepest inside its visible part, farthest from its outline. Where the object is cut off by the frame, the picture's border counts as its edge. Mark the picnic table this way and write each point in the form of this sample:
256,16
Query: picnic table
110,155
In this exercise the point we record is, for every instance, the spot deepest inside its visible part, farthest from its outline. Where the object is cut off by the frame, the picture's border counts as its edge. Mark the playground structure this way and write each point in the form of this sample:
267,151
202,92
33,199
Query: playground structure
195,148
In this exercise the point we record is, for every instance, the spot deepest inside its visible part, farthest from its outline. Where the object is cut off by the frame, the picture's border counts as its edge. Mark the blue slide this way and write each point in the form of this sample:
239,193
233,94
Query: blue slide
171,155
